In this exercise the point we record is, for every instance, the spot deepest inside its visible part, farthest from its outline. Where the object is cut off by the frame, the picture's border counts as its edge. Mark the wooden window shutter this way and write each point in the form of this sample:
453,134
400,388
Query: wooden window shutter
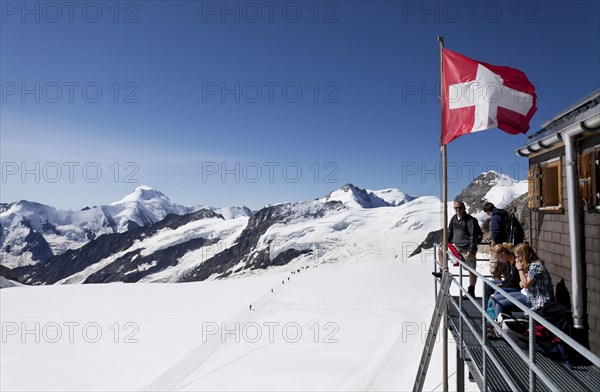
586,170
533,188
545,186
560,178
595,174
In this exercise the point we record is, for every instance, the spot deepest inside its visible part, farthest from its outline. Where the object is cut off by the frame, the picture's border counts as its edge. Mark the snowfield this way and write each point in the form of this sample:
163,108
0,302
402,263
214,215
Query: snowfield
336,326
353,314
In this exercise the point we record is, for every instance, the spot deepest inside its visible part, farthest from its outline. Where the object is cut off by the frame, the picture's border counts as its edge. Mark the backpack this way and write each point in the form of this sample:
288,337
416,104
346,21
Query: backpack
516,329
548,343
562,294
514,231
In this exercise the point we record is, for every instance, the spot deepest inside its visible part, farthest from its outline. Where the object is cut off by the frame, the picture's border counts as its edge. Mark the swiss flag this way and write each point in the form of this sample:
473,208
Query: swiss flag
478,96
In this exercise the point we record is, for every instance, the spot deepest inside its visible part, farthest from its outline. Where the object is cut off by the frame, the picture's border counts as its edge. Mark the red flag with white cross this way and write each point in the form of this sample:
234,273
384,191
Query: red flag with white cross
478,96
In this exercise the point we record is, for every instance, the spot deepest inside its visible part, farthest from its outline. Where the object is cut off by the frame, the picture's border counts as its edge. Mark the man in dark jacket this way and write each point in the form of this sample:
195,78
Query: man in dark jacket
461,232
498,223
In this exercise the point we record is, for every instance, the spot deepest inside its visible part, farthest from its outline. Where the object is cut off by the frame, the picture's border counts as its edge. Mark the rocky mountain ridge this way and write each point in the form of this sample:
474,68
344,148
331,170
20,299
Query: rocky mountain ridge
32,232
349,223
196,246
480,191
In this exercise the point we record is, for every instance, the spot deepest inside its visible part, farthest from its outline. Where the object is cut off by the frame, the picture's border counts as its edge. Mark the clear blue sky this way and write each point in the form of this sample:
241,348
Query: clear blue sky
231,102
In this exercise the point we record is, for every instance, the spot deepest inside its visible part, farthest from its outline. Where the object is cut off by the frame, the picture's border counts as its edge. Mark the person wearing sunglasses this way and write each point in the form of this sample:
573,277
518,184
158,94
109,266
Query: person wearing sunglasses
462,234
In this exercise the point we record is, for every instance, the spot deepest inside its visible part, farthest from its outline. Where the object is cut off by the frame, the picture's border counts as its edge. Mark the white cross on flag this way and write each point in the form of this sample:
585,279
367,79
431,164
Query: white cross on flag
478,96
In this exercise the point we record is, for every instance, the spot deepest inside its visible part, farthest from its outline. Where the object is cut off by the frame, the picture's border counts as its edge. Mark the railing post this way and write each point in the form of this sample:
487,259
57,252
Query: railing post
531,353
435,269
460,369
460,279
485,341
484,355
460,307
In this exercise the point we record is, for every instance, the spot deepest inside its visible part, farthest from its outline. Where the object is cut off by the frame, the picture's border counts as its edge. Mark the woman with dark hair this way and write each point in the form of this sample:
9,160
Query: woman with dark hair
506,274
505,254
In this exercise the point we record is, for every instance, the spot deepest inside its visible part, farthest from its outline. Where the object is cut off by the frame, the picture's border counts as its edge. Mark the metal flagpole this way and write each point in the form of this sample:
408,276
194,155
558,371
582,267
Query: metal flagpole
444,258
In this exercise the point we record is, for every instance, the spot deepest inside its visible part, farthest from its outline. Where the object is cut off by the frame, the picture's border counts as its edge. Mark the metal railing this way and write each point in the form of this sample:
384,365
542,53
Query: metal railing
482,339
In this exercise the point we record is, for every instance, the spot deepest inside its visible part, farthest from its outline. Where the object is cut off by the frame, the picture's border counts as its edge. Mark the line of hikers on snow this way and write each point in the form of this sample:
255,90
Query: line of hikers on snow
293,272
514,265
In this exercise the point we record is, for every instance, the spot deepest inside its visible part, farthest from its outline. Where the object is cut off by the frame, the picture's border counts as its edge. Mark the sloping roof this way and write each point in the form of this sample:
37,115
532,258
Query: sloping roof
578,112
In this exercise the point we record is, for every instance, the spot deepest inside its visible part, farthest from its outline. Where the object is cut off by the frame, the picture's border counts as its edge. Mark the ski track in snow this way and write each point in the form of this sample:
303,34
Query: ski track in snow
177,377
187,371
381,378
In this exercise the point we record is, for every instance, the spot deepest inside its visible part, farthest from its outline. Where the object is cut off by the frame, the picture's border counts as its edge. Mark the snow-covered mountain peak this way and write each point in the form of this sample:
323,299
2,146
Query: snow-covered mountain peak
233,212
142,207
142,193
394,196
497,188
357,197
23,205
41,231
494,178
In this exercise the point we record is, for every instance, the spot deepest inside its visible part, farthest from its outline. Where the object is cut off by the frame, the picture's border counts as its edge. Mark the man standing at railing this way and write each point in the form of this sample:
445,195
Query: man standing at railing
498,235
498,223
463,233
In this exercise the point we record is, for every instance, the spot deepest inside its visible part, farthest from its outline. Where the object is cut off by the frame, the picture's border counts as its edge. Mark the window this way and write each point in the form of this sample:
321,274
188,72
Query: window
545,185
551,184
589,179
